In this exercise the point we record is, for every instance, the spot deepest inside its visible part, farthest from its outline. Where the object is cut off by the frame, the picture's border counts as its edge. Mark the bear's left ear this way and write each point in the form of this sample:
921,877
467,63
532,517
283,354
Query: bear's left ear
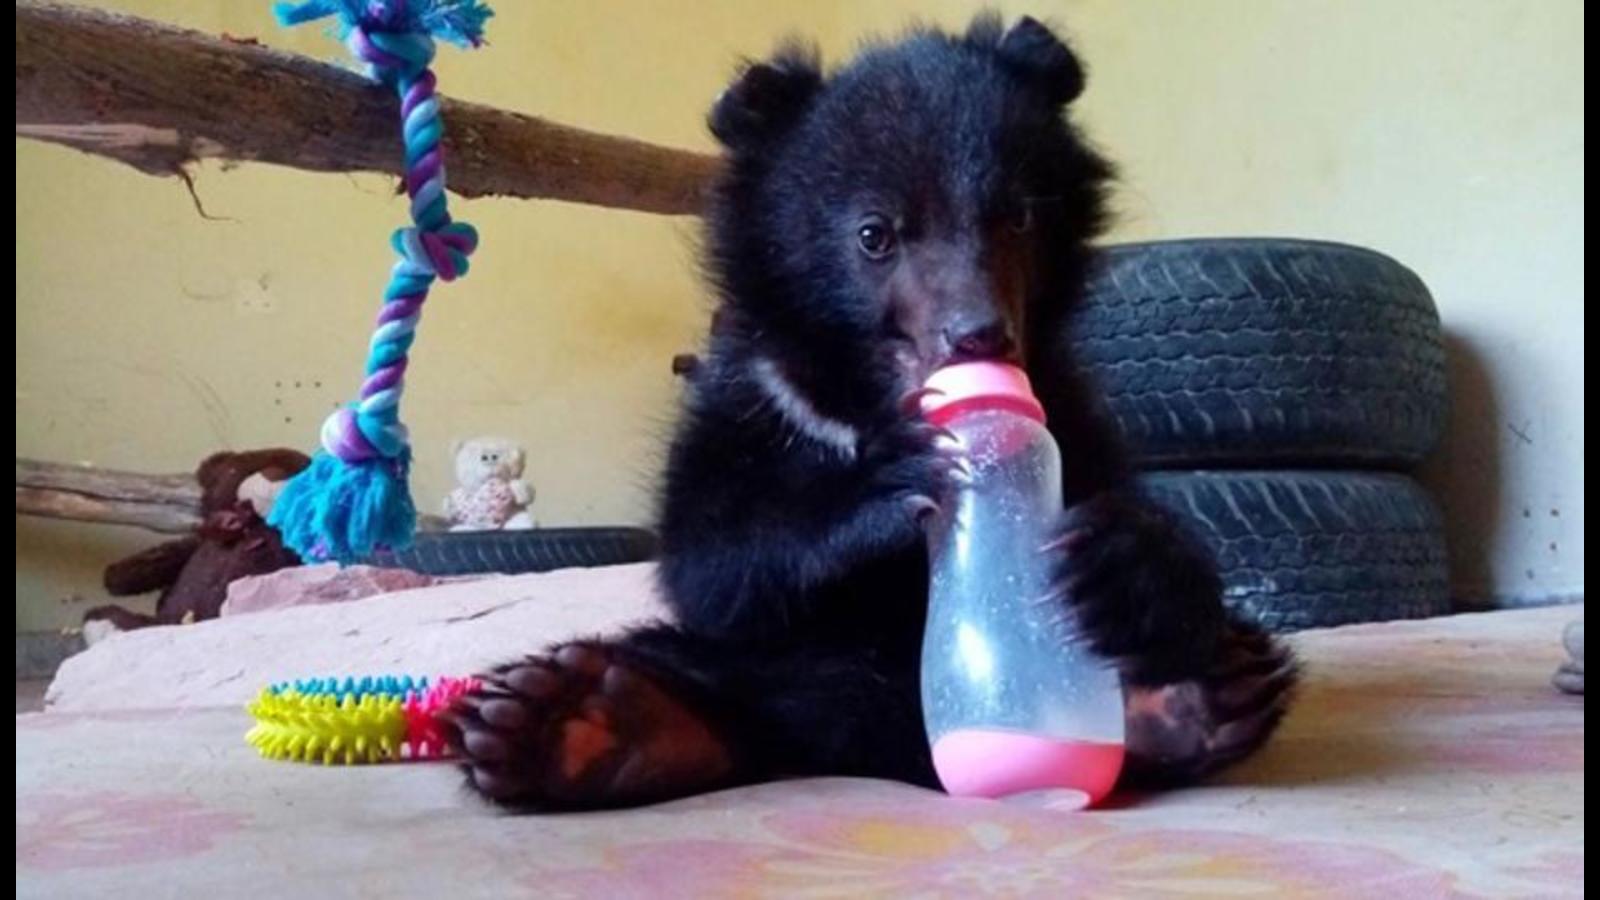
767,98
1033,51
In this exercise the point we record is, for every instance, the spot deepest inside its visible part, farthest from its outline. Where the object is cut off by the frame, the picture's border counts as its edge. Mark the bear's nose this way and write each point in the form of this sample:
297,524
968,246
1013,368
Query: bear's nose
986,339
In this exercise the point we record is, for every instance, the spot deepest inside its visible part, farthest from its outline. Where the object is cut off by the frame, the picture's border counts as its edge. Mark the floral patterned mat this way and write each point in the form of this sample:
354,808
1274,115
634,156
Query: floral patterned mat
1425,759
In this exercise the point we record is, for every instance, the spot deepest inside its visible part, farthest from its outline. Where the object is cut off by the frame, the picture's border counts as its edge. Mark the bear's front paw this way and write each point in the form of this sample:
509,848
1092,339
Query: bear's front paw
1138,591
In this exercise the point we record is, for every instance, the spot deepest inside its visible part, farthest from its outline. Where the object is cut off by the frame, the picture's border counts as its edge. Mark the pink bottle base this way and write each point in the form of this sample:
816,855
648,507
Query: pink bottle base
976,762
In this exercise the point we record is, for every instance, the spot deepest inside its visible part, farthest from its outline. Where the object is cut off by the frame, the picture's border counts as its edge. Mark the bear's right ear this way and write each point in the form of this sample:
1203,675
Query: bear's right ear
1034,51
455,447
767,98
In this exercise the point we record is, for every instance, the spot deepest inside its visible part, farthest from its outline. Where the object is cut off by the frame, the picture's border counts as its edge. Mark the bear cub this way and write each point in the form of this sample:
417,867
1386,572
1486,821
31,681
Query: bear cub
928,203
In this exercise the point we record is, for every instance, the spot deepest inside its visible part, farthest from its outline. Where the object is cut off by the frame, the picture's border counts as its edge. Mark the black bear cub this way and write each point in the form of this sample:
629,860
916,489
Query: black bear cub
926,204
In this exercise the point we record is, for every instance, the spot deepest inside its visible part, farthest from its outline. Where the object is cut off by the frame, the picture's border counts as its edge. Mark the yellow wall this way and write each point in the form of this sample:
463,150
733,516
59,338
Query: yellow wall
148,337
1448,133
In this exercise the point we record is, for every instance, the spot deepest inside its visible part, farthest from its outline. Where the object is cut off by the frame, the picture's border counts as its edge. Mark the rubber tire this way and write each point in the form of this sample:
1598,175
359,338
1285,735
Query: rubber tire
1267,353
518,552
1314,549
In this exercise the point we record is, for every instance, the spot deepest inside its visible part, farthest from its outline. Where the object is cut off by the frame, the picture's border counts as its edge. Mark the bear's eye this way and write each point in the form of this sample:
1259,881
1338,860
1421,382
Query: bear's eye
876,237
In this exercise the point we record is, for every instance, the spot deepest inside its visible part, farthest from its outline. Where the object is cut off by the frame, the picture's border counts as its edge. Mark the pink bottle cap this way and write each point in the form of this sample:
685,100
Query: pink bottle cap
965,387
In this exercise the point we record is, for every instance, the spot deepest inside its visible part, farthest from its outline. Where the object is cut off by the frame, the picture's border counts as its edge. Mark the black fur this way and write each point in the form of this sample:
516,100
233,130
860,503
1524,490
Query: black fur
929,202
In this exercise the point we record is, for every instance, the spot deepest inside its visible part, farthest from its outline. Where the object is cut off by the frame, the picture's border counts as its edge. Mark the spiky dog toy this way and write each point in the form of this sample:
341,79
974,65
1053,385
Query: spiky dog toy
377,719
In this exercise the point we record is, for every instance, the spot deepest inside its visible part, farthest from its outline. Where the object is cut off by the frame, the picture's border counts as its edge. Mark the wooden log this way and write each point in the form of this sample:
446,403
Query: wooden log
159,98
165,503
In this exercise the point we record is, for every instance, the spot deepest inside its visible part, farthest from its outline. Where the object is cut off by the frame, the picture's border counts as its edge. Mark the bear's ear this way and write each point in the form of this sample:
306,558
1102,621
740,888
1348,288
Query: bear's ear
456,447
766,98
1034,52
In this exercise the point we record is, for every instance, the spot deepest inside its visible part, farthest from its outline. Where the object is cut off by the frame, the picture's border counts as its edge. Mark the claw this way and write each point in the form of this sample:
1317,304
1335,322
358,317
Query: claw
911,402
1069,542
934,433
921,506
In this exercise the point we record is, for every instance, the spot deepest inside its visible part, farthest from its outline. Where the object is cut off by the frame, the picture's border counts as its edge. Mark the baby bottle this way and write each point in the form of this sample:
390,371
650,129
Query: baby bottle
1014,704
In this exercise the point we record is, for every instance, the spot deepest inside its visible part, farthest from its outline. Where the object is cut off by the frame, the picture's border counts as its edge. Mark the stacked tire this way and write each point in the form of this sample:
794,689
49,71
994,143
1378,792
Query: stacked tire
1276,392
518,552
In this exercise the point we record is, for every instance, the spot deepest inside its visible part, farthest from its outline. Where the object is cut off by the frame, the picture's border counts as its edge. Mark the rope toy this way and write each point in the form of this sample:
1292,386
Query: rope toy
354,498
352,722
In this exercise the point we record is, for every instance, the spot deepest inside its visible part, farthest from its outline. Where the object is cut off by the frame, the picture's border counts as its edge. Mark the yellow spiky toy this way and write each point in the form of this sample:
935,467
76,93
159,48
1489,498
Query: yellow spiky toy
352,722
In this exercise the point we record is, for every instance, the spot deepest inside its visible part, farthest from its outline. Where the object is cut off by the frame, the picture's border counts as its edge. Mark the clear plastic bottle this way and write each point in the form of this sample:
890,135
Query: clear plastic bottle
1013,704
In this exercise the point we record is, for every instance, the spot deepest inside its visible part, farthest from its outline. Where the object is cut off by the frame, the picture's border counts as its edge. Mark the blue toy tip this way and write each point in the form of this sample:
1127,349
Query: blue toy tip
457,21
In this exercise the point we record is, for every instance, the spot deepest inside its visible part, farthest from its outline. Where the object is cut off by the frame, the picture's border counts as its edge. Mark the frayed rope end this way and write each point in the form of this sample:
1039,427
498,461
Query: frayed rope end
457,21
345,512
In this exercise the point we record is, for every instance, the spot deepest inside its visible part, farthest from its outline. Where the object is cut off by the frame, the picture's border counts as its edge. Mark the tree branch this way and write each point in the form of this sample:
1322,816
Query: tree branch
166,503
158,98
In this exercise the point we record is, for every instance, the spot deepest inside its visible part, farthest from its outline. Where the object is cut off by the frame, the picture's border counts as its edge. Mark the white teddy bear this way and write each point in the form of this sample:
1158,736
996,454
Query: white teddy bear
491,493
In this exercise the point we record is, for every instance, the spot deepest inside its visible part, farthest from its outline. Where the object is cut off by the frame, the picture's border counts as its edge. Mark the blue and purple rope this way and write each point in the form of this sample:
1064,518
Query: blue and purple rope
354,498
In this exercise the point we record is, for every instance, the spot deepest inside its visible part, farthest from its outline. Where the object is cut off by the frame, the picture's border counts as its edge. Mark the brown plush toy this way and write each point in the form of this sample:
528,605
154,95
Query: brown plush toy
233,540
